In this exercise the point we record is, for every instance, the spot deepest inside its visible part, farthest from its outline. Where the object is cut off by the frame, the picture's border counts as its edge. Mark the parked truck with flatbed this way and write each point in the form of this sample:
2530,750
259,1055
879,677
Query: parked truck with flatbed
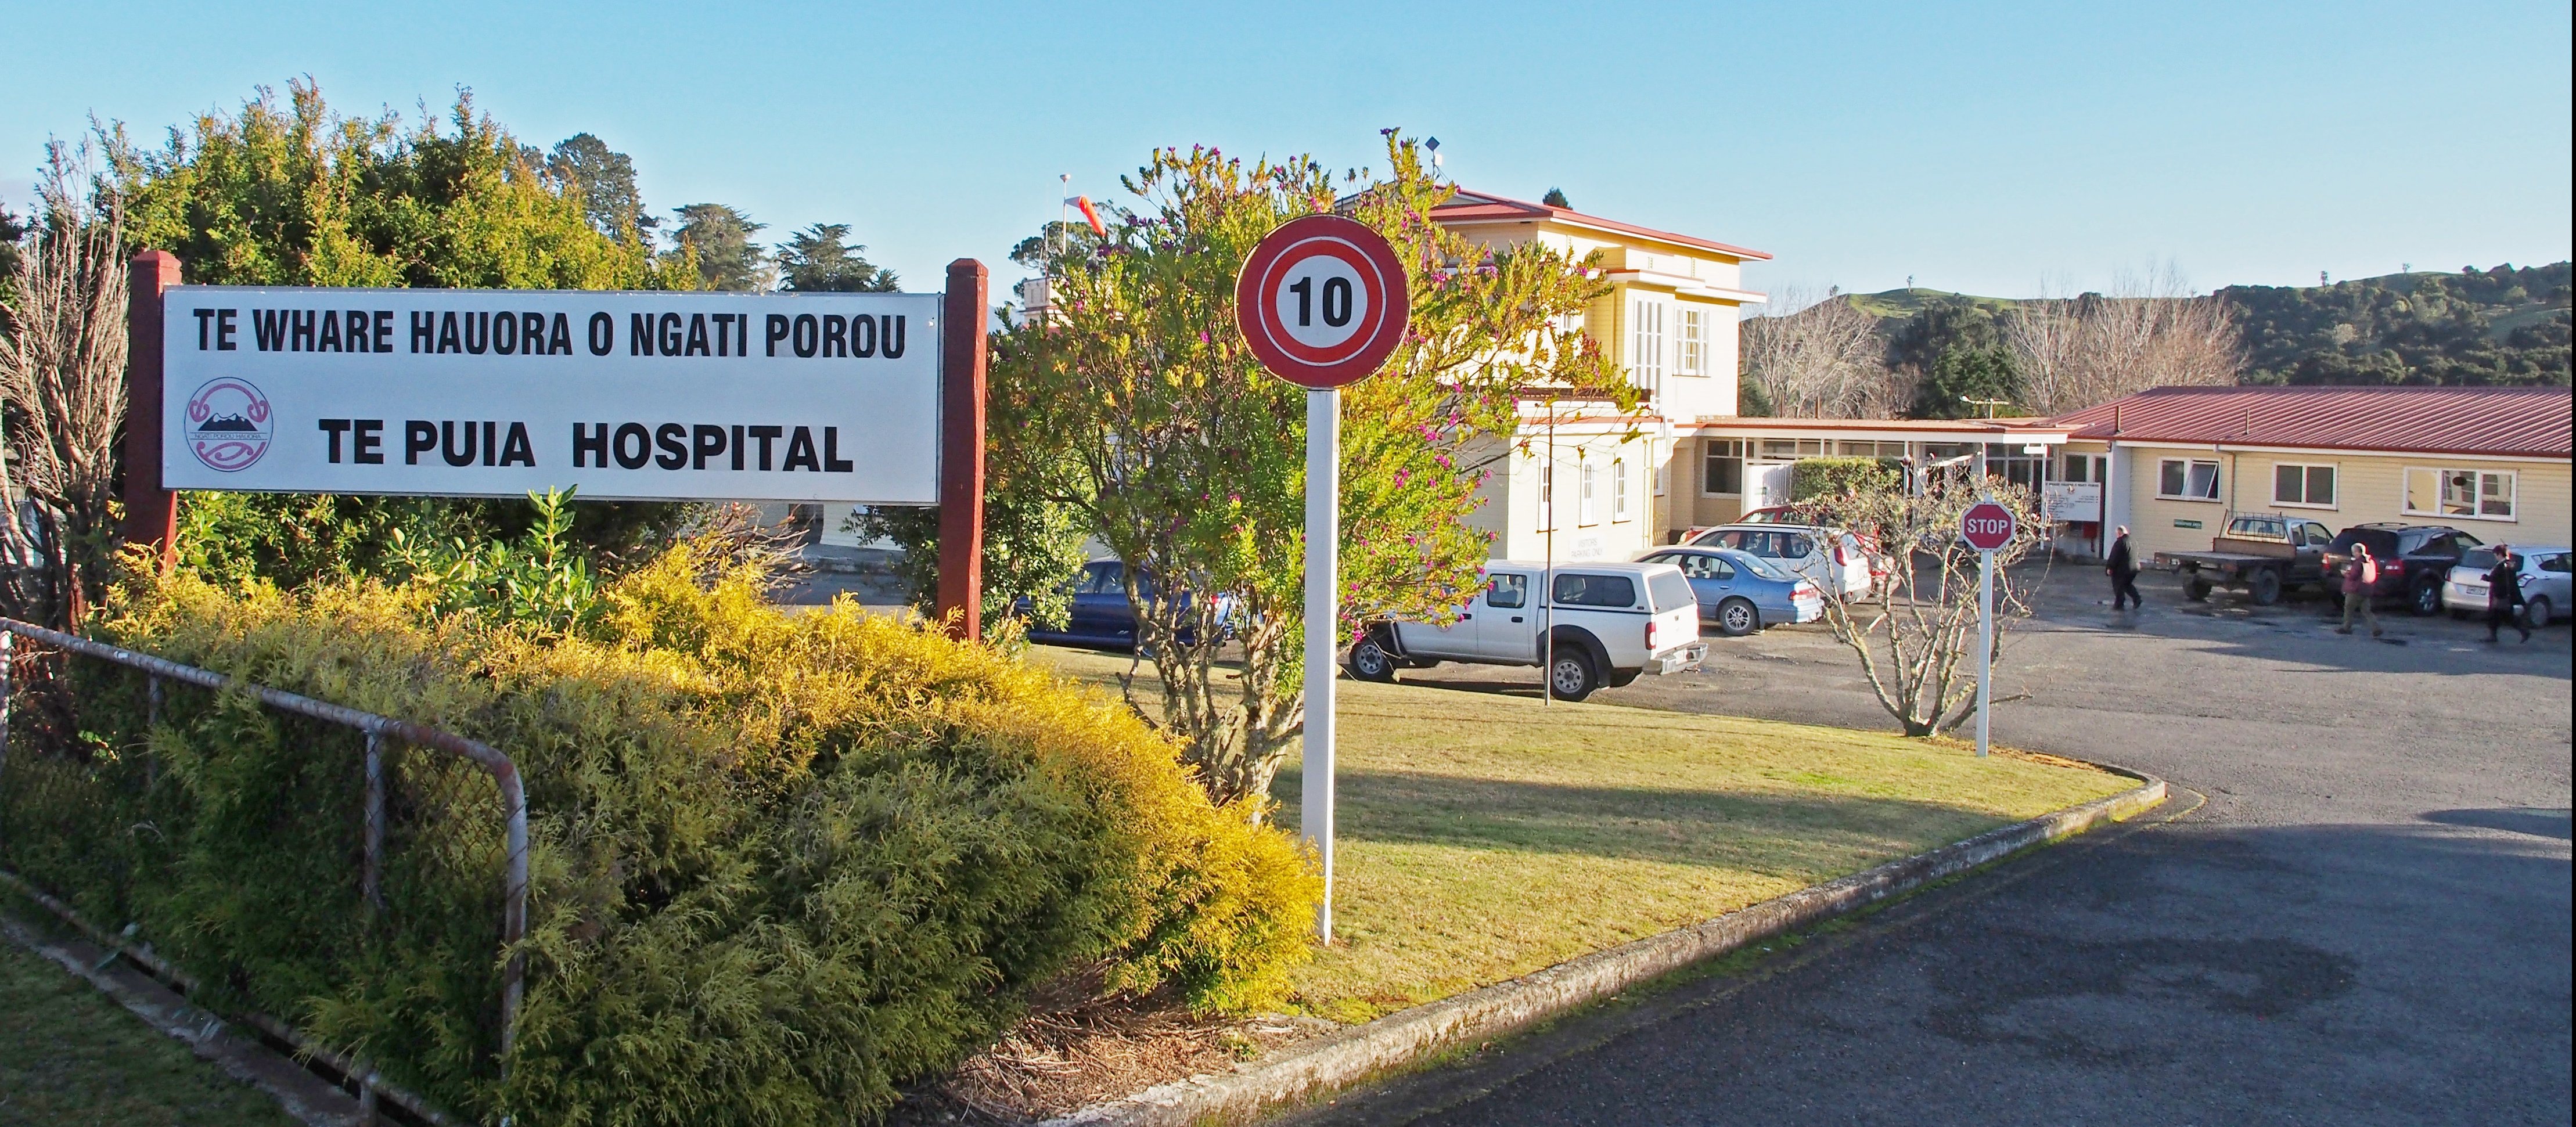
2262,554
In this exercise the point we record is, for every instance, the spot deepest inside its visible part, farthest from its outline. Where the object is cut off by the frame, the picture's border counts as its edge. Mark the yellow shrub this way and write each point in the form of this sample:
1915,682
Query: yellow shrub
781,863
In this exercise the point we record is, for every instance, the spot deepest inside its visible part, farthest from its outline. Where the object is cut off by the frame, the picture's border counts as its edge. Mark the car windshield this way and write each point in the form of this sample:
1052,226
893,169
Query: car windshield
2478,558
1761,567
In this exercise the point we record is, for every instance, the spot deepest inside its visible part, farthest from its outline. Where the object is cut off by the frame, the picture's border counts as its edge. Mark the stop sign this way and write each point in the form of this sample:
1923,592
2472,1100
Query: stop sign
1987,526
1322,300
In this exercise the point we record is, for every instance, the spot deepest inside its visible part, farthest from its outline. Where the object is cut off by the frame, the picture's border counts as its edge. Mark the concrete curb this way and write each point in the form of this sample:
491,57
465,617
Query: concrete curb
1343,1059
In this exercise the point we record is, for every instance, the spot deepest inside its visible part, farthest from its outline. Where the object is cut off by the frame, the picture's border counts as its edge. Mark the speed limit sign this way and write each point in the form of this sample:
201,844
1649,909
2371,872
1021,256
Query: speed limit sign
1322,301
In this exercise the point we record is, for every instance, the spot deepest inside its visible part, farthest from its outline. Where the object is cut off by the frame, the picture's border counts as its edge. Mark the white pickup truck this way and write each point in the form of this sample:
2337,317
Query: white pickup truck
1609,622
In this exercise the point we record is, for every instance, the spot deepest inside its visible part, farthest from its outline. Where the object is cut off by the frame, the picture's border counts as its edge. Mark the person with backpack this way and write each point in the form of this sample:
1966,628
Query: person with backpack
2360,576
2504,593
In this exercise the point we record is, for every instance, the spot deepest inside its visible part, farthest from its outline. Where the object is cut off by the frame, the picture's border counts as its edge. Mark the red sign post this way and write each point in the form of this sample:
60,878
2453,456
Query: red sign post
1322,301
1986,526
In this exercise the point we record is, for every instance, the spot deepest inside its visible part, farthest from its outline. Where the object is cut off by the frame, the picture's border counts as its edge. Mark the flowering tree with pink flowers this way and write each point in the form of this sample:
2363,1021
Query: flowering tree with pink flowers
1136,400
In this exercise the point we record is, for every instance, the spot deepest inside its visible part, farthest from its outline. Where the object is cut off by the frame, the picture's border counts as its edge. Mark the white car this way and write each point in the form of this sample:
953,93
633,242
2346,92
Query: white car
1609,623
2544,582
1834,560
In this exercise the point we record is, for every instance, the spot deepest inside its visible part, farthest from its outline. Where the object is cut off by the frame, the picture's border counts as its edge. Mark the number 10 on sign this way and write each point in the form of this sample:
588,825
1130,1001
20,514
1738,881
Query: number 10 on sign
1322,301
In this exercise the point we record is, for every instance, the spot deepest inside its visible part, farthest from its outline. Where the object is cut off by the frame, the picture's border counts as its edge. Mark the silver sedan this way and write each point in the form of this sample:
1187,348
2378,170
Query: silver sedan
2544,582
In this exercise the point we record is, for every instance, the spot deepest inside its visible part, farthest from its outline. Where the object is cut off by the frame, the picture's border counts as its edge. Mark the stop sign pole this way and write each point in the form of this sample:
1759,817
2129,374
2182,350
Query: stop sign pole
1322,301
1986,526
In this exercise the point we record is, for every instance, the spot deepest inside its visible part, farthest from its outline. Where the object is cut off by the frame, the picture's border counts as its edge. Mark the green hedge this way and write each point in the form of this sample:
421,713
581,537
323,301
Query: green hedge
780,865
1822,479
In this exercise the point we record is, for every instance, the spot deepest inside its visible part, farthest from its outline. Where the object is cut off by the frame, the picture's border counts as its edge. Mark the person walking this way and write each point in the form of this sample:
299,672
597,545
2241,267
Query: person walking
2124,573
2504,593
2360,575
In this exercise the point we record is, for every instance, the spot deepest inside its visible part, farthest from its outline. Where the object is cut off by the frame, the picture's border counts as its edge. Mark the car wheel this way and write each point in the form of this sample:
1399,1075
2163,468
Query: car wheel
2266,587
2195,590
1572,676
1737,618
2537,611
1371,662
2426,600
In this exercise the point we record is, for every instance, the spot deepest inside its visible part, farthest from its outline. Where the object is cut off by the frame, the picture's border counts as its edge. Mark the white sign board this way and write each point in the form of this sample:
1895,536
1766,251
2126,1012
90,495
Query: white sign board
494,393
2072,501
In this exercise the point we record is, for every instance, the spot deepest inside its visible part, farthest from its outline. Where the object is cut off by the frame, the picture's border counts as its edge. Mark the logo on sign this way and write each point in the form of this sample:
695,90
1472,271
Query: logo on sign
228,424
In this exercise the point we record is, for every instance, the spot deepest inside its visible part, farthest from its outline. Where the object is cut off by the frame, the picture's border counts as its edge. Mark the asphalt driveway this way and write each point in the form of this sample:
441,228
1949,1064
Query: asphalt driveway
2356,908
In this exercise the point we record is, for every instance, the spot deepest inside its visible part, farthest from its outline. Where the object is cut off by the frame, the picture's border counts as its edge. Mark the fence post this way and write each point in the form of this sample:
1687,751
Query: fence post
961,451
372,879
151,514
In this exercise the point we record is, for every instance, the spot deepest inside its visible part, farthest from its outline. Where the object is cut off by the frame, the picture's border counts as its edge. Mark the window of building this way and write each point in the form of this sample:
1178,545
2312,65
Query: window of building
1722,468
1586,512
1618,489
2187,479
1787,449
2474,494
1646,344
1546,496
2294,484
1692,357
1855,449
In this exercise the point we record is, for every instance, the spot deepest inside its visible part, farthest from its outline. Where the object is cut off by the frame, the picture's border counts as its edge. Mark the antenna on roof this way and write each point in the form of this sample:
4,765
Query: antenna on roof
1433,145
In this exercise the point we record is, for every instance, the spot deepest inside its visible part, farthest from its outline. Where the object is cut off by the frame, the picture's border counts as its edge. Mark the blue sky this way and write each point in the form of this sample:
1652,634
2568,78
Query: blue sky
1991,148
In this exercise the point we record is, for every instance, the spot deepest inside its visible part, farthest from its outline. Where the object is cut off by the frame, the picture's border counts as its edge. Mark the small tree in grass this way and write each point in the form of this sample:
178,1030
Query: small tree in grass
1915,625
1137,401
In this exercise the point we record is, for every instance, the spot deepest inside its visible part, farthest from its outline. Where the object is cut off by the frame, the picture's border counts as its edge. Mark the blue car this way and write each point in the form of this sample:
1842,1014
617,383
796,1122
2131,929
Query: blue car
1739,592
1099,614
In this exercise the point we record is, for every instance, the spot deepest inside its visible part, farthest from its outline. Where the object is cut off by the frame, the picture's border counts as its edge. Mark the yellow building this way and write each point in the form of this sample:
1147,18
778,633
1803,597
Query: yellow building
2174,463
1582,483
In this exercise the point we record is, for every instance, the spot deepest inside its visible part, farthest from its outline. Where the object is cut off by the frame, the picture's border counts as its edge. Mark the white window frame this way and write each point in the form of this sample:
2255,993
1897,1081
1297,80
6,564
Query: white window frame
1546,495
2187,464
1587,510
1618,490
2478,482
1691,335
1646,343
2333,502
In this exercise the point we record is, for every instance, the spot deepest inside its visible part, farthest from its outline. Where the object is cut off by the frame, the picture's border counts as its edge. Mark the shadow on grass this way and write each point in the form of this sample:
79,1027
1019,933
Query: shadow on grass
1785,835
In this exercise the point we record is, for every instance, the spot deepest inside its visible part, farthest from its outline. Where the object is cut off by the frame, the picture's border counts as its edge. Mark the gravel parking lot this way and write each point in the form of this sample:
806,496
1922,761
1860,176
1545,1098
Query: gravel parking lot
2355,910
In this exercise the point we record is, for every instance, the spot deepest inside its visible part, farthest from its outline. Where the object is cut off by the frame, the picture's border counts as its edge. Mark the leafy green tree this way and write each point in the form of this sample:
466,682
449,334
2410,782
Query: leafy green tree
1138,402
1057,239
606,180
287,192
718,239
816,260
13,230
1963,372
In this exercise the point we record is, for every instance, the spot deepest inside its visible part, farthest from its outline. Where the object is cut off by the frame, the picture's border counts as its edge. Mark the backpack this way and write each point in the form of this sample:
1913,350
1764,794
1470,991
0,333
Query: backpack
2369,570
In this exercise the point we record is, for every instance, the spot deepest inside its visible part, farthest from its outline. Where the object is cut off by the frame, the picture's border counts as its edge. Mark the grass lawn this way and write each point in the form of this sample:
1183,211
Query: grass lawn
1485,836
69,1056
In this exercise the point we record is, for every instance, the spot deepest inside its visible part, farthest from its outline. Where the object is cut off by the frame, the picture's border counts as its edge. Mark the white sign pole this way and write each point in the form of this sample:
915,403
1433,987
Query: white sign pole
1323,582
1985,644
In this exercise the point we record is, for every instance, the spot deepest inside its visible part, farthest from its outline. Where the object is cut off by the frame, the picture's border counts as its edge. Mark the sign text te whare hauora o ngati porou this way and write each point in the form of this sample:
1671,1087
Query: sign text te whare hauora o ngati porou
827,397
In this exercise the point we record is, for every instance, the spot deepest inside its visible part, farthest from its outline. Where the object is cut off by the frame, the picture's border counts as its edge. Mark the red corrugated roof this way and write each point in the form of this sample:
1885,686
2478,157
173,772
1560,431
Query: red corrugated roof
2528,422
1470,207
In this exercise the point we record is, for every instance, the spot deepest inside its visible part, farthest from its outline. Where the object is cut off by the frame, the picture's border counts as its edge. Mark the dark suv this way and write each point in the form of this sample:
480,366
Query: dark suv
2413,559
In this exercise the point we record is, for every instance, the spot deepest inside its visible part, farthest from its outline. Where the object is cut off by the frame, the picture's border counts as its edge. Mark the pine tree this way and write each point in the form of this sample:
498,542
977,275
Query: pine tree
815,260
720,237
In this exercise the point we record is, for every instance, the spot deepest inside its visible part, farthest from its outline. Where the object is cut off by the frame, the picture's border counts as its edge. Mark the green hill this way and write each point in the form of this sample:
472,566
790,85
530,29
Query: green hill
2506,325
